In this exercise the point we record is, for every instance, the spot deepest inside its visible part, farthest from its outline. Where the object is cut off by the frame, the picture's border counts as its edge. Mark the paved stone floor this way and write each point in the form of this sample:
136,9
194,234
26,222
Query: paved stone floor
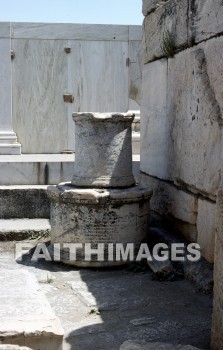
100,309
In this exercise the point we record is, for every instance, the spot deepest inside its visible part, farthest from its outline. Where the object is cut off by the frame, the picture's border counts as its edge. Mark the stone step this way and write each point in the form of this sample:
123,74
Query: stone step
26,316
199,272
30,200
143,345
42,169
13,347
21,229
23,201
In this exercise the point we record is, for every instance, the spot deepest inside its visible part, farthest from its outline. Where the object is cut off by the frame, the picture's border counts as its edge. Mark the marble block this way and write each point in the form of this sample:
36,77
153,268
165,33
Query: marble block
103,155
26,315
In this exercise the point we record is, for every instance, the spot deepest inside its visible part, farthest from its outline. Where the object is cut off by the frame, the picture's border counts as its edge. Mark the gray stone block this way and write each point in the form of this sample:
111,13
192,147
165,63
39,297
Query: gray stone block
20,229
217,319
173,205
166,19
24,202
155,123
26,315
195,107
205,19
206,228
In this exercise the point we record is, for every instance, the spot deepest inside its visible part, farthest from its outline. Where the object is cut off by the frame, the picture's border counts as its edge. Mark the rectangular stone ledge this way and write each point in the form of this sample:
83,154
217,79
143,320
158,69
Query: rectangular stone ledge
24,202
217,318
166,19
26,315
206,227
155,121
173,205
195,113
10,149
42,169
72,31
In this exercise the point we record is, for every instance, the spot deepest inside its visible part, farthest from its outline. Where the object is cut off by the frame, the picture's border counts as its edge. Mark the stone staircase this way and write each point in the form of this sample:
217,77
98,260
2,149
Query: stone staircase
27,318
24,206
24,212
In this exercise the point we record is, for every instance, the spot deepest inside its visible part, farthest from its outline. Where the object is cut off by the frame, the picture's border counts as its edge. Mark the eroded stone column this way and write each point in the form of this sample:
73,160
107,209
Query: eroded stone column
103,156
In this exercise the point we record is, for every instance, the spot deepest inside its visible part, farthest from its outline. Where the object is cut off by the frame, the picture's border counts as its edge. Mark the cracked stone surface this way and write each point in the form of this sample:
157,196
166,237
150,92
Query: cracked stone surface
101,309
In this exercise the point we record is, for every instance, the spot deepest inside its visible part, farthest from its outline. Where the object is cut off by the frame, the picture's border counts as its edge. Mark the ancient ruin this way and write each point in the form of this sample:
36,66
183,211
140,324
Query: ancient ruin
106,179
101,205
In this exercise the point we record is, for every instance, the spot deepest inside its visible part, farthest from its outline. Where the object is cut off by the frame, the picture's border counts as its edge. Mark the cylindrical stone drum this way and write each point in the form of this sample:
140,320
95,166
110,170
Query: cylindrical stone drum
111,218
103,150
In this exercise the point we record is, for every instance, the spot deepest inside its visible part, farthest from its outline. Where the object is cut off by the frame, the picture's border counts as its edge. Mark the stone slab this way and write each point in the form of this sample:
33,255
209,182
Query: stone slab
42,169
26,315
205,19
199,272
155,122
135,32
70,31
10,149
135,82
39,81
143,345
168,199
20,229
24,202
173,205
135,143
206,228
13,347
5,30
135,48
166,19
217,318
195,107
104,87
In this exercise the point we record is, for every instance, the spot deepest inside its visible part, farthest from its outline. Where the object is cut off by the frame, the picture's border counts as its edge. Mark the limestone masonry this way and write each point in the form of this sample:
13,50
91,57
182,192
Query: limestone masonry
181,114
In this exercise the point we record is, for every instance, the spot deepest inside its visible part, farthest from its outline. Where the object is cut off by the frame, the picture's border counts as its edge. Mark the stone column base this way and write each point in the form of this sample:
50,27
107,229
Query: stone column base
8,143
97,216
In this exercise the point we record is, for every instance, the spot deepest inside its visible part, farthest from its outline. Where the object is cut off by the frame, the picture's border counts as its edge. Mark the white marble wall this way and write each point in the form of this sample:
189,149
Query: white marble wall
39,82
97,72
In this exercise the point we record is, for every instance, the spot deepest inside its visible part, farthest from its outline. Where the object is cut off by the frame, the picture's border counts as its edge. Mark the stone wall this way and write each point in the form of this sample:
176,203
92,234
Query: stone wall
217,319
58,69
182,114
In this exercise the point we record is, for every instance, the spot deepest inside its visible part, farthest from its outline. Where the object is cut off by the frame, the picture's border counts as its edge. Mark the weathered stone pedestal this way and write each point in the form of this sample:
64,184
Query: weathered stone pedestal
102,207
105,216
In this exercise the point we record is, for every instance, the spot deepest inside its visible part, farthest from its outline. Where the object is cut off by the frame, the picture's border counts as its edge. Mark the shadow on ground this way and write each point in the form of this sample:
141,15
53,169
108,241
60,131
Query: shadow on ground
100,309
